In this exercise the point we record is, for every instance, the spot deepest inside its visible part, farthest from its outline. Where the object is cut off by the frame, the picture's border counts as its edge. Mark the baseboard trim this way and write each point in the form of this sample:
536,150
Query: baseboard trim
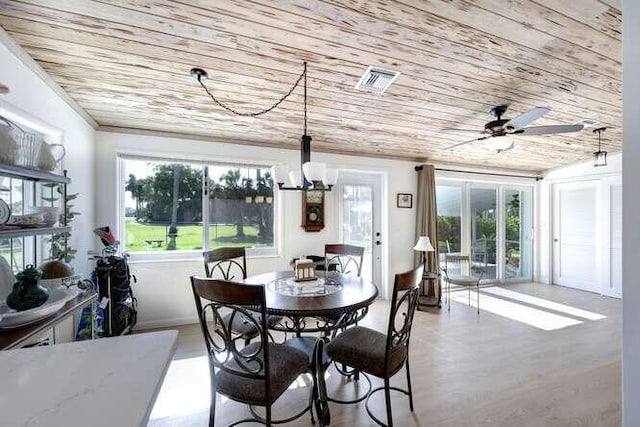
166,323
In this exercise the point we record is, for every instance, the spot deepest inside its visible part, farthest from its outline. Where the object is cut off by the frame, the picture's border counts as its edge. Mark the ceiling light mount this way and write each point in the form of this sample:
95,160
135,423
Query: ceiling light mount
600,156
199,74
312,175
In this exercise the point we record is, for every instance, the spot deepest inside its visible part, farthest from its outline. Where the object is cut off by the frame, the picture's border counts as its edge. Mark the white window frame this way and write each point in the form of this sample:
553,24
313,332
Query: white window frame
192,255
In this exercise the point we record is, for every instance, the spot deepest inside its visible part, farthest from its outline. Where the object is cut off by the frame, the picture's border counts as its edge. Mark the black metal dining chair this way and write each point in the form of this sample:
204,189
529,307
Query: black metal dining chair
256,374
347,259
226,263
230,263
368,351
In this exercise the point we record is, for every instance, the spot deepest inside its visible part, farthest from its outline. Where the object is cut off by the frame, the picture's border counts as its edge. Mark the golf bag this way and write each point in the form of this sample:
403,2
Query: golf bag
114,283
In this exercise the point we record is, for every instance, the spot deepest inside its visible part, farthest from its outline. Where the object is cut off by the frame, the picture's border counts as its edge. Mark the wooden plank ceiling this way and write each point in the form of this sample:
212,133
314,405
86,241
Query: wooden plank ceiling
127,63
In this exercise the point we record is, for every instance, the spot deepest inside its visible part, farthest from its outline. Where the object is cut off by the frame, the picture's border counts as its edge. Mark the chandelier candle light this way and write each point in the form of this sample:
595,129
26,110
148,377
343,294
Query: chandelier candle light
313,176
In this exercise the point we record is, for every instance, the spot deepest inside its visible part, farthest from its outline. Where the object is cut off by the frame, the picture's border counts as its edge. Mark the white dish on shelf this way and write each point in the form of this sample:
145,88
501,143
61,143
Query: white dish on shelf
5,212
58,297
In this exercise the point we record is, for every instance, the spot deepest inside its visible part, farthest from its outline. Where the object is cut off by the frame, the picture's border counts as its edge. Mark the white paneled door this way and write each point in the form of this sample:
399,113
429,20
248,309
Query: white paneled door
576,236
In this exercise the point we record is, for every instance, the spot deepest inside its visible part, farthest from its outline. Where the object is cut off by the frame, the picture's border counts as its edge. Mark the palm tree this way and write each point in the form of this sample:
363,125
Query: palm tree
135,187
173,228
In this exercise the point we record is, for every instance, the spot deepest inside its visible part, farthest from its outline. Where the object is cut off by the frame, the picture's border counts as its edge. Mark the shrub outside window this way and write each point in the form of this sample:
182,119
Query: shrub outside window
168,207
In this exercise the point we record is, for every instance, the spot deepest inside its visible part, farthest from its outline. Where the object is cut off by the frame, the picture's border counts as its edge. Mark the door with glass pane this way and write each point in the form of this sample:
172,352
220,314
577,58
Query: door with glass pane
360,220
449,206
483,217
518,232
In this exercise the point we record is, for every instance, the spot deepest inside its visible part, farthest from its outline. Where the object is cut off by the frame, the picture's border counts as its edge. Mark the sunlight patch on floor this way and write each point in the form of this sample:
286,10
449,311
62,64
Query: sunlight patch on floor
544,303
520,313
186,388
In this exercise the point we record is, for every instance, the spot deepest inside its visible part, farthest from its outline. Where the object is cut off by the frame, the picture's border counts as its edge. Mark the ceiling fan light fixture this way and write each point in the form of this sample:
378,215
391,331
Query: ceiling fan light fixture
499,143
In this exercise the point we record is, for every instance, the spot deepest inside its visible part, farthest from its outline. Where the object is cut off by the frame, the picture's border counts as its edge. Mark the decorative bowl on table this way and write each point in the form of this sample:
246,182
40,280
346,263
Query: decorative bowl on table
58,297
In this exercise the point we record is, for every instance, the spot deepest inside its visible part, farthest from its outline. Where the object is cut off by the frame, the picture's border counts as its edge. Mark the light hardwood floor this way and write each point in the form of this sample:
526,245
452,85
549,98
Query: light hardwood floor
467,370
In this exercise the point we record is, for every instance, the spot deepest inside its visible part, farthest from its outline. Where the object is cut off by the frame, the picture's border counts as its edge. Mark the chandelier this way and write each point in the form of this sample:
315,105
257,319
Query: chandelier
599,157
314,176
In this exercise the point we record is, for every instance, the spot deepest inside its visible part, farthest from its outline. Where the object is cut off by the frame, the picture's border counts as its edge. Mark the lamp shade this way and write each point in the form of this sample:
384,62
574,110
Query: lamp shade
330,176
279,174
314,171
296,178
424,245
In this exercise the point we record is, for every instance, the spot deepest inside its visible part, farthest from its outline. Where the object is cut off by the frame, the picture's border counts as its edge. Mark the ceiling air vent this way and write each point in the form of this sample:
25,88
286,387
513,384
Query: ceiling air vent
377,80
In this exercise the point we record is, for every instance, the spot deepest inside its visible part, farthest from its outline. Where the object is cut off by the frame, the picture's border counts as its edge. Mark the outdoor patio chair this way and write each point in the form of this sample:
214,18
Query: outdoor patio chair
462,264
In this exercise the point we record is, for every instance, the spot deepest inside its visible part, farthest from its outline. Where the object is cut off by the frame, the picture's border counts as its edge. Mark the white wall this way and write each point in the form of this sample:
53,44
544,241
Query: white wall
604,177
163,289
33,96
630,215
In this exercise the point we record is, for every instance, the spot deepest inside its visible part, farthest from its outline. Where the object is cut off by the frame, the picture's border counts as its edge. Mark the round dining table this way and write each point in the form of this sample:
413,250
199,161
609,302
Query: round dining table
316,305
330,302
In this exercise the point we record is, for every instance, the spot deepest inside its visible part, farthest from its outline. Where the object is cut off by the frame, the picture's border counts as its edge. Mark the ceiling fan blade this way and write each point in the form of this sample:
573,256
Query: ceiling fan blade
462,130
451,147
525,118
546,130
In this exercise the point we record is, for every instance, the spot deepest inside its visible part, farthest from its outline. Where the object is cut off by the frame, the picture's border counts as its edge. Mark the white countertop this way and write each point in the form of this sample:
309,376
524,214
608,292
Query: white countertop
107,382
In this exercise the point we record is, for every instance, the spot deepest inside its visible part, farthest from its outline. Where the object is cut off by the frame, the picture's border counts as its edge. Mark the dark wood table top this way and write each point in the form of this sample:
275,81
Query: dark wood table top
14,337
356,293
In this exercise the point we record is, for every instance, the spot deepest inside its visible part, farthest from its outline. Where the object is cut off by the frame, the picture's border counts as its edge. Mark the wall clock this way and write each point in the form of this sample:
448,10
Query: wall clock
313,210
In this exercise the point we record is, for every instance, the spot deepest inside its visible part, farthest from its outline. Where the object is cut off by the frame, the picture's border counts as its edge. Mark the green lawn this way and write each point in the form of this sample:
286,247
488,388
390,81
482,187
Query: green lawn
189,237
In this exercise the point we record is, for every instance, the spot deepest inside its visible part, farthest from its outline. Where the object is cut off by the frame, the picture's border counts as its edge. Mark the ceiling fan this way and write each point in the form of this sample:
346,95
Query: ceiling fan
500,128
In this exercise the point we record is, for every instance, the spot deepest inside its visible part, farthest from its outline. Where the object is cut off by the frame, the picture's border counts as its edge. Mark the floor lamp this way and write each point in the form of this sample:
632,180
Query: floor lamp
424,245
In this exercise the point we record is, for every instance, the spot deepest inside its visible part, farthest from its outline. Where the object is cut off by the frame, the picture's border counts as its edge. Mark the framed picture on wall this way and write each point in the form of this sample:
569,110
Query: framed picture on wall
405,200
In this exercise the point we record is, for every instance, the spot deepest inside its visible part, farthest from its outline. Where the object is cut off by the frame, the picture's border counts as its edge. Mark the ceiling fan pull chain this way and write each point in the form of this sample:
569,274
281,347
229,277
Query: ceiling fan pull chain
201,75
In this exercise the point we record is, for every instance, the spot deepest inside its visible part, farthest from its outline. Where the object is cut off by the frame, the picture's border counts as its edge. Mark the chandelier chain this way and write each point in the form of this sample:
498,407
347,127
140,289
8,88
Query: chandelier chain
266,110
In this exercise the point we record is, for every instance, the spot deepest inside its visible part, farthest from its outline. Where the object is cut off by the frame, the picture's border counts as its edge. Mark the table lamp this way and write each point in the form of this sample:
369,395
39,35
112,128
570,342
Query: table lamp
424,245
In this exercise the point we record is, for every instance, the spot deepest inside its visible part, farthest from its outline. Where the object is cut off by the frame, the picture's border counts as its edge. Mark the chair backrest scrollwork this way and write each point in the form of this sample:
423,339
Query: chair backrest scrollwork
225,263
404,302
346,258
215,298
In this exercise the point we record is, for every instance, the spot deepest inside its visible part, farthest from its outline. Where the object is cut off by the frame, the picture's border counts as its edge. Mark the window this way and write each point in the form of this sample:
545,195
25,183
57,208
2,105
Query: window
168,208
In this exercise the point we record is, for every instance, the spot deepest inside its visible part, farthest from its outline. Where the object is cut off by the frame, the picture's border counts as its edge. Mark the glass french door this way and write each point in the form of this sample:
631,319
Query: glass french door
518,226
483,217
360,220
492,223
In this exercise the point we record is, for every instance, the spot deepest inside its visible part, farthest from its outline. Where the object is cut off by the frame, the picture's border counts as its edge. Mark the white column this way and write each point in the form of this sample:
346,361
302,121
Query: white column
631,215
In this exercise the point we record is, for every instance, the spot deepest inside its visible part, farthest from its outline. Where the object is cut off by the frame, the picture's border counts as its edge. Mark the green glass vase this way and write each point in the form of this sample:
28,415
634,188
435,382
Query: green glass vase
27,293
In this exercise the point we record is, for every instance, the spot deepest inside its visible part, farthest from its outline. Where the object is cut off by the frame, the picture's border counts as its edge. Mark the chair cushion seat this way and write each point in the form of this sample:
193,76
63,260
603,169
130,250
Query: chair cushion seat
285,363
364,349
463,280
246,328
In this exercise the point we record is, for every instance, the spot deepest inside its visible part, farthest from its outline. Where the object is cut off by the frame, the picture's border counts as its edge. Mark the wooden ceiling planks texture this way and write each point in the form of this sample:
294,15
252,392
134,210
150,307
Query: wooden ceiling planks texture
126,62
